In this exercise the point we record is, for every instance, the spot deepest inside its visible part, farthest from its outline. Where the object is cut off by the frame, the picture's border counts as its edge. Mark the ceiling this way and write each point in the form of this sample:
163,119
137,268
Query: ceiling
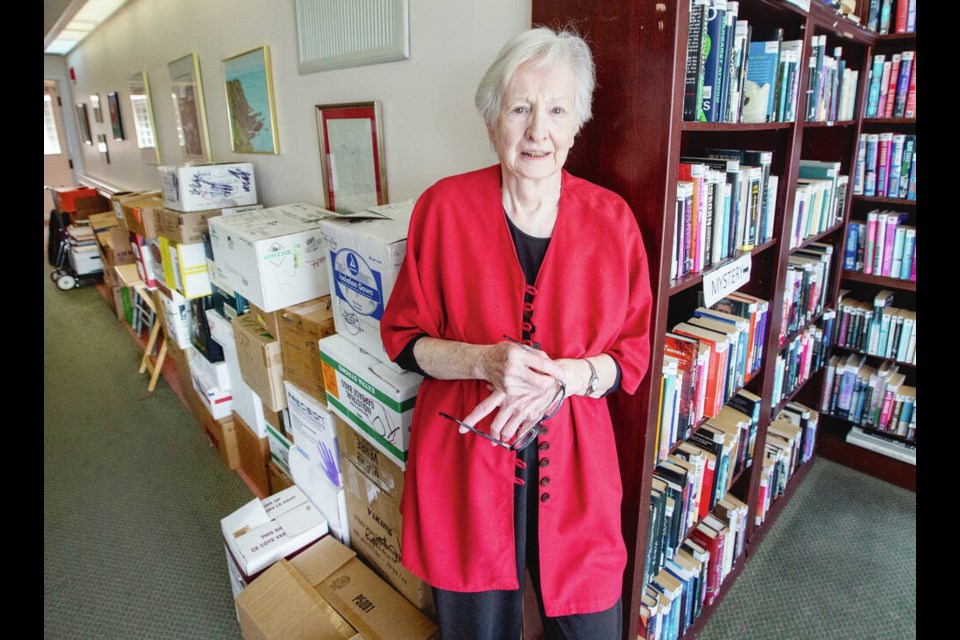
67,22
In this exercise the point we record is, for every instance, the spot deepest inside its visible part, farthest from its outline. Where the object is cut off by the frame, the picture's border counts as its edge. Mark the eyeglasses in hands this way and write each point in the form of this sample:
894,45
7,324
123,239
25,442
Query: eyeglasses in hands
530,434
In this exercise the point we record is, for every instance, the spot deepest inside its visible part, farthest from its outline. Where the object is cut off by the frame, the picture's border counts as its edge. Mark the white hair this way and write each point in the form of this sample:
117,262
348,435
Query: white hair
542,46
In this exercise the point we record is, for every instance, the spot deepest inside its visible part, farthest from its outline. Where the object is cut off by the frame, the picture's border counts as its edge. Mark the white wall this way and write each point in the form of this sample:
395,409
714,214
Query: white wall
430,126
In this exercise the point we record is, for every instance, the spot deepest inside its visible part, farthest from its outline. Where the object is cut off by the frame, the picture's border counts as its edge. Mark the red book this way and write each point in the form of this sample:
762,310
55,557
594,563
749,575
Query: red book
910,111
900,21
713,542
694,172
892,85
716,372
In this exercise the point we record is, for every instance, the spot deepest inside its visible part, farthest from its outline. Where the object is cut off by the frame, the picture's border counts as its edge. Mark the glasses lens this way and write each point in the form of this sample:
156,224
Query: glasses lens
557,401
527,438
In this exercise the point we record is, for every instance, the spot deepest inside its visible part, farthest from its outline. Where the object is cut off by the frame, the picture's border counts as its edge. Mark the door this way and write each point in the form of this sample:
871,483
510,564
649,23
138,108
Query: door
57,168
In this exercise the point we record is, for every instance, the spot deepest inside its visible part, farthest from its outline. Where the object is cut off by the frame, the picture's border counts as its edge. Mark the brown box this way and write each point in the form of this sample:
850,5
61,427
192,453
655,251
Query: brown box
140,215
269,321
254,455
375,464
183,228
261,363
222,433
301,327
375,530
278,479
281,603
181,358
274,419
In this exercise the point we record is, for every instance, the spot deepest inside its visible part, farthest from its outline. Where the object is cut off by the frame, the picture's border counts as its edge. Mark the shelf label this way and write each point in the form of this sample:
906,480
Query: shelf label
726,279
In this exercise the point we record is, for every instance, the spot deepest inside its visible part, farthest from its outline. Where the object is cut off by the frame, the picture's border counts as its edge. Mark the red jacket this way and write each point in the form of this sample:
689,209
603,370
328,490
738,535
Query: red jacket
461,280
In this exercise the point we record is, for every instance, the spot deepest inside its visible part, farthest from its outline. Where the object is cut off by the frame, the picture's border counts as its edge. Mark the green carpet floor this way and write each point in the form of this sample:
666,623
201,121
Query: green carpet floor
133,497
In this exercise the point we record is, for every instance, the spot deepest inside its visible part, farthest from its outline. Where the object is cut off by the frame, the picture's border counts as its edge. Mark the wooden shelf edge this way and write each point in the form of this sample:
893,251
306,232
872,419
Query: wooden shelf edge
886,281
834,447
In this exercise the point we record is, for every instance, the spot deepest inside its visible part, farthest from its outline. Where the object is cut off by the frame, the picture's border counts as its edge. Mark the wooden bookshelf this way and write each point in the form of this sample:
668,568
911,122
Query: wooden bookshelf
832,444
896,202
633,145
880,281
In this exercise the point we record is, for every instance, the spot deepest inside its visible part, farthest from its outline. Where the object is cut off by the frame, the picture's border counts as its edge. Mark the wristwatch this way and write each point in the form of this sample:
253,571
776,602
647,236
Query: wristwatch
594,380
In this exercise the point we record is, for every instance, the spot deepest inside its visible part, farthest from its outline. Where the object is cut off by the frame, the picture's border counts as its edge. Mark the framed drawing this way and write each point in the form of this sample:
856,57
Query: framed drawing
351,156
332,34
113,102
102,147
250,103
188,108
143,122
84,123
95,107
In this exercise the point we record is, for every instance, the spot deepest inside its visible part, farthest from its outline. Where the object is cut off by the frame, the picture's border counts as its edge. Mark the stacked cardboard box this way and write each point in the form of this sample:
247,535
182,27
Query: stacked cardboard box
284,600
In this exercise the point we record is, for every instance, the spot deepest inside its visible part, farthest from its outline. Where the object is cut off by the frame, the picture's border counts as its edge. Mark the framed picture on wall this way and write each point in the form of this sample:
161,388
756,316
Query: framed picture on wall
113,103
143,122
102,147
84,122
95,107
351,156
250,102
189,111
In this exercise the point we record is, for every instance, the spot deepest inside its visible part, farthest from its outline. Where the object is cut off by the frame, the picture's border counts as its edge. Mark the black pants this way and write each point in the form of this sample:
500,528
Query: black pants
498,615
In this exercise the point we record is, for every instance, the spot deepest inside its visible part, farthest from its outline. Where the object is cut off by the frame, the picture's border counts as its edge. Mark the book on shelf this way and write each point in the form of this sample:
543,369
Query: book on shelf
893,449
910,107
713,540
715,43
763,65
693,74
906,161
889,89
902,89
873,15
718,364
876,77
736,360
764,494
884,87
807,419
886,15
672,589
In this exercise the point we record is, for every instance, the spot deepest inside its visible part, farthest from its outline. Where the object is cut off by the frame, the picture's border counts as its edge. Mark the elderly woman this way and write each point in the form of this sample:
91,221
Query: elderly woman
524,299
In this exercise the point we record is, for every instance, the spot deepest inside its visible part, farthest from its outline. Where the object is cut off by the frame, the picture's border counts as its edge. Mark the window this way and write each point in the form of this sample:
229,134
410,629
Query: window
51,141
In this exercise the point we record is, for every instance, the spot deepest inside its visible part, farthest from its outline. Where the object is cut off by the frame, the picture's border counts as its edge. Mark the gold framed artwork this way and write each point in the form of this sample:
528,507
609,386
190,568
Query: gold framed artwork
351,156
189,111
143,121
251,109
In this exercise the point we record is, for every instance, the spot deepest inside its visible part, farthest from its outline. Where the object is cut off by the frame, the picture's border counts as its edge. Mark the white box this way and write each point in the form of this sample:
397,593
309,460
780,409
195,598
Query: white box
264,531
208,186
216,372
306,470
373,398
274,257
176,311
279,448
365,254
218,402
311,426
246,403
185,268
85,259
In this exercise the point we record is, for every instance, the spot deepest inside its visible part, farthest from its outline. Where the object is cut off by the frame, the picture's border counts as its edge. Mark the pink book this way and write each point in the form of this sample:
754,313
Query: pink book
886,410
892,87
888,243
911,109
913,267
871,241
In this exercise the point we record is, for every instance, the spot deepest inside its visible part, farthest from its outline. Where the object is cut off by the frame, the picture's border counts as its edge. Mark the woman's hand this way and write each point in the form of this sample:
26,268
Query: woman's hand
523,382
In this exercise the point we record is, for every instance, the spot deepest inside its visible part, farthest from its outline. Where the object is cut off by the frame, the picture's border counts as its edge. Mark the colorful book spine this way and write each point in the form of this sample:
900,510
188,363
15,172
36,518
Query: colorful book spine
871,242
912,188
908,147
903,84
897,143
909,243
883,162
870,165
853,242
891,85
876,74
910,108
